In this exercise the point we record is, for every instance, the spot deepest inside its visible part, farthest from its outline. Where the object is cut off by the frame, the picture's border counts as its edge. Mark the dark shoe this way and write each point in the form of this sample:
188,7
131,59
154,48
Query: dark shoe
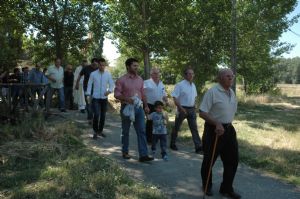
63,110
208,192
82,111
199,151
126,156
145,159
232,195
101,134
95,136
174,147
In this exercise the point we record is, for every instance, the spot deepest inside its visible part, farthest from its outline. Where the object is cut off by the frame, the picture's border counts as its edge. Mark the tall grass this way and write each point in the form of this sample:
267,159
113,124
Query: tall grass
52,162
268,131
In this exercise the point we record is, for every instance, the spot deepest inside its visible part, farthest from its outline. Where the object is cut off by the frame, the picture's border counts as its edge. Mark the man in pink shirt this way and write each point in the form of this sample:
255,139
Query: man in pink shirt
128,86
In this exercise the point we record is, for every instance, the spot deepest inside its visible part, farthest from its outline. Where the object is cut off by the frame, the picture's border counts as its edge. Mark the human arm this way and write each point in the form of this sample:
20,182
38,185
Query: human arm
111,84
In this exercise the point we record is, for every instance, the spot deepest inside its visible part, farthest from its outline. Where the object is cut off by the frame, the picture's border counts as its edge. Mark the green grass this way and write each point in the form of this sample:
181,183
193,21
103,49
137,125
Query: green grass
54,163
268,131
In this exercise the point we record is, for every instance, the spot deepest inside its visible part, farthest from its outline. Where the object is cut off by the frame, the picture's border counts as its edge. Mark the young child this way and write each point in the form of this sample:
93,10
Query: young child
159,129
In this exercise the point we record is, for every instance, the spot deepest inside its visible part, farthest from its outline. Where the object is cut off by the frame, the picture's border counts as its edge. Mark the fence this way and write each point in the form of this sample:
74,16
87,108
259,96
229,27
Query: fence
28,97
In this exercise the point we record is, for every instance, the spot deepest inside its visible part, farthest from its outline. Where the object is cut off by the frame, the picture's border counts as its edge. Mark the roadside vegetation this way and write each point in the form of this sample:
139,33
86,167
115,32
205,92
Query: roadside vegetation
42,160
268,131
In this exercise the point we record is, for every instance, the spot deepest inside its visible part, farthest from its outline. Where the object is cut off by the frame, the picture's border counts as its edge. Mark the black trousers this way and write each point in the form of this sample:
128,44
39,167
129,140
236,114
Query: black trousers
192,122
149,124
99,108
227,148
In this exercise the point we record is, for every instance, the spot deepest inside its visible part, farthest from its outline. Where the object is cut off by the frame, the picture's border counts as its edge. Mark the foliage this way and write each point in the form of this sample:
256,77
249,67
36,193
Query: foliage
11,30
64,29
289,70
259,28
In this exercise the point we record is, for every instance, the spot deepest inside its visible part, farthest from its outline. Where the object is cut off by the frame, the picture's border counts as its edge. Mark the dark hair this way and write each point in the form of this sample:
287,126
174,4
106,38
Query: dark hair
129,61
16,70
101,60
94,60
186,70
158,103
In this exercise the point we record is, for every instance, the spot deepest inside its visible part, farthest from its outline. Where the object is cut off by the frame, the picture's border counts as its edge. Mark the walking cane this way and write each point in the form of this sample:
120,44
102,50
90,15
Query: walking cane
210,166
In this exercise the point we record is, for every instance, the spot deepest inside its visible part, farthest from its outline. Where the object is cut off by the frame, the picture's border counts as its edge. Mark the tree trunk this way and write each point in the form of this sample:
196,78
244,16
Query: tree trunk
233,42
146,56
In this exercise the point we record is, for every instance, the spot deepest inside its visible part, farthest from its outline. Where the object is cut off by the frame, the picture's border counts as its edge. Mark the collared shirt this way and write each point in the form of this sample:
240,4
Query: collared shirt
57,74
185,92
219,104
36,76
154,92
129,85
100,81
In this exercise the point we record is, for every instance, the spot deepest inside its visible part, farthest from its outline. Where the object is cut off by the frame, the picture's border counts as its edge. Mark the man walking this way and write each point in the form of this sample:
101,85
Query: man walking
218,108
55,75
130,91
68,86
154,91
184,96
100,84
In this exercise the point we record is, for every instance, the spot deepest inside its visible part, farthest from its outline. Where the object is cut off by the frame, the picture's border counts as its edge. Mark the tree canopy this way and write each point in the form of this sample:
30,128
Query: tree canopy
171,34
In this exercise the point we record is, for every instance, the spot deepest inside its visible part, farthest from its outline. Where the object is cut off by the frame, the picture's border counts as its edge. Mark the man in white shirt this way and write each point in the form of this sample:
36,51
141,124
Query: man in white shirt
184,96
218,108
55,75
154,91
102,84
79,98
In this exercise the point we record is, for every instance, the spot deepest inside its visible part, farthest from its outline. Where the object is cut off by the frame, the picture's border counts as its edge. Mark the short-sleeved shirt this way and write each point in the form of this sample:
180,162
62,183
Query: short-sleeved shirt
185,92
220,105
86,72
159,126
129,85
57,74
154,92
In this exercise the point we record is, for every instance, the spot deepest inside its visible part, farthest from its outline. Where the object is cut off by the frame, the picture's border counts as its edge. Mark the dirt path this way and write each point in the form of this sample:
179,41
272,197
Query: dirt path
180,178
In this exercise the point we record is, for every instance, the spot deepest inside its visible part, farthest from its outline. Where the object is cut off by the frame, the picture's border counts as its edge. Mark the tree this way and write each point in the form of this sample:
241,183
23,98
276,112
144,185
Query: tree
260,25
11,30
61,28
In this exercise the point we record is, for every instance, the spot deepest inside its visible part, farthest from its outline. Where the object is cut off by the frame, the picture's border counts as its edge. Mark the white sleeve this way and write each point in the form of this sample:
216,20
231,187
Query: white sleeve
207,102
176,91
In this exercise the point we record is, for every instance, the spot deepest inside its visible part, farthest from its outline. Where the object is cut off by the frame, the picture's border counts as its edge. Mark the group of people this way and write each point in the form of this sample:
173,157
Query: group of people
217,108
145,99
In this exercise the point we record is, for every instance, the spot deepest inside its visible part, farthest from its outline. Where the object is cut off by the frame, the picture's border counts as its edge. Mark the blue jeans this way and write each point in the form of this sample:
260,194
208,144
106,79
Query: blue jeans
61,96
99,109
139,126
163,143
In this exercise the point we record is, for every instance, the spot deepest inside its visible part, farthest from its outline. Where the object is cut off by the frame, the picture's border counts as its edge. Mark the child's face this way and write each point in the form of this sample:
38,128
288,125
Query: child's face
159,108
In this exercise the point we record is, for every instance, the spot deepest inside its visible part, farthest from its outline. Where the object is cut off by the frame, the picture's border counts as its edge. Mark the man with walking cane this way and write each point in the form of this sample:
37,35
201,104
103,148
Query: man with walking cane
218,108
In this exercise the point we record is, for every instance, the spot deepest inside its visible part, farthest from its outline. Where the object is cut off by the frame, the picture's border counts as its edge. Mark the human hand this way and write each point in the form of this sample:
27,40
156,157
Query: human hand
88,99
147,110
182,110
219,129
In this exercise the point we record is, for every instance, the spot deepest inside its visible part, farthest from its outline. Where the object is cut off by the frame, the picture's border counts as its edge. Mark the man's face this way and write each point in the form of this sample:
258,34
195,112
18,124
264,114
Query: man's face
189,75
155,75
102,66
57,62
227,79
133,68
95,64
